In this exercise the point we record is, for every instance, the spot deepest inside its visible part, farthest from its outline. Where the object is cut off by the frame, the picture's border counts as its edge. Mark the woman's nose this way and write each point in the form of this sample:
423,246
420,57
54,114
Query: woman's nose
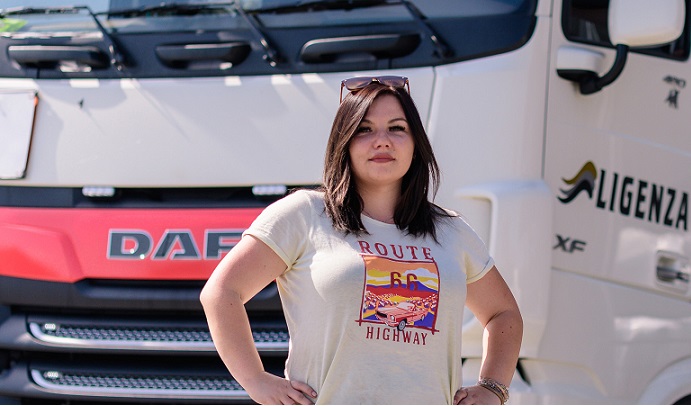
382,139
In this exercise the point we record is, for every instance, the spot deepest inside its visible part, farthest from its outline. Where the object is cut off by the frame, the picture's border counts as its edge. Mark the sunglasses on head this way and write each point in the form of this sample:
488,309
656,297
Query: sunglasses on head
360,82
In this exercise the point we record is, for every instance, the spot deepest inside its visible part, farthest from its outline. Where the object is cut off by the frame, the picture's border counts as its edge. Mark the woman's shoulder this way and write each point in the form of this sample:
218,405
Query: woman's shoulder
298,207
305,196
452,217
300,199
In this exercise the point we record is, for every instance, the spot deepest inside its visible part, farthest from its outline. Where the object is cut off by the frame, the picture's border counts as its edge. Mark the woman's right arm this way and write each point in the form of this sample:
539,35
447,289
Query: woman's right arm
243,272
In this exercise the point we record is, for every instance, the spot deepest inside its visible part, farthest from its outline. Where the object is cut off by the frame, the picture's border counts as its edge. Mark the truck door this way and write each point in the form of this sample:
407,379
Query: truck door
618,162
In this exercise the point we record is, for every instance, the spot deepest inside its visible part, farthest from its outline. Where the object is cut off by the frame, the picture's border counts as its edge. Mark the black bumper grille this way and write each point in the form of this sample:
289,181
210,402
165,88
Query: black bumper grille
273,338
124,334
137,384
102,341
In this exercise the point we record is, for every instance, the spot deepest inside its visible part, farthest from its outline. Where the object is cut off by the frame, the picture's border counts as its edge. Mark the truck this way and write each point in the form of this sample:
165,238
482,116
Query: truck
139,138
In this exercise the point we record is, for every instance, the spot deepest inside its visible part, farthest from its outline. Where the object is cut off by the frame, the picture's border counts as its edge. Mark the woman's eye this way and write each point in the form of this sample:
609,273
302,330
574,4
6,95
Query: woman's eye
362,130
397,128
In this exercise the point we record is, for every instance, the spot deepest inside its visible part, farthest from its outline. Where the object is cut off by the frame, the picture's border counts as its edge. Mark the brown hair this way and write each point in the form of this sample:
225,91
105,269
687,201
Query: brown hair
414,212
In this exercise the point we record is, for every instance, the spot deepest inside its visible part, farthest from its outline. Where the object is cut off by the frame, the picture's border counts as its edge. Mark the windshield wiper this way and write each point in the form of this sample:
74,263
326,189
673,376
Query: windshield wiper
36,10
441,49
318,5
172,8
186,9
117,59
270,54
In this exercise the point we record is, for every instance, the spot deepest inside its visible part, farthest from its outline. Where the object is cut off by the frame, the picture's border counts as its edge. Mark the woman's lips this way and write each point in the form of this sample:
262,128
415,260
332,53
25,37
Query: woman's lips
382,158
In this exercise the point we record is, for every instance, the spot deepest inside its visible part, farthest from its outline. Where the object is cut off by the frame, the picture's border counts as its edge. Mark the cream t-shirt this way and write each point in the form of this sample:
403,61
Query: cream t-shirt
374,319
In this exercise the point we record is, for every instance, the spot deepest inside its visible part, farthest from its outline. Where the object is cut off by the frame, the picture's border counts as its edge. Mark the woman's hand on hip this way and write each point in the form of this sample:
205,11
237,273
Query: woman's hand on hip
269,389
475,395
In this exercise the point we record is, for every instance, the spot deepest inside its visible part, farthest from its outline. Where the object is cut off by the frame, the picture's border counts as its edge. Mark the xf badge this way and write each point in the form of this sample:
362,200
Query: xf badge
566,244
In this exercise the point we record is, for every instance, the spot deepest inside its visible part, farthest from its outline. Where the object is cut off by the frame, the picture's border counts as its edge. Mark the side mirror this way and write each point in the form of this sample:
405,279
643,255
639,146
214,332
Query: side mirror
644,23
632,23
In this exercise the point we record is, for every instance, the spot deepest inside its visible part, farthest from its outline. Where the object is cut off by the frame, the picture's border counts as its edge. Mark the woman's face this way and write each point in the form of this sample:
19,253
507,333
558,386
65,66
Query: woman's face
382,148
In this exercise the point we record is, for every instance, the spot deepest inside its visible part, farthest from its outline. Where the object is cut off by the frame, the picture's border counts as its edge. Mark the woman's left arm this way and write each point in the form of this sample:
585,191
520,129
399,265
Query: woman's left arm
492,302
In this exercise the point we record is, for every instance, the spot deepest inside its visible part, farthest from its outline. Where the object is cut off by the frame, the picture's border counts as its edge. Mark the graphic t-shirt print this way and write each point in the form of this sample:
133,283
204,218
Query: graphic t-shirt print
400,294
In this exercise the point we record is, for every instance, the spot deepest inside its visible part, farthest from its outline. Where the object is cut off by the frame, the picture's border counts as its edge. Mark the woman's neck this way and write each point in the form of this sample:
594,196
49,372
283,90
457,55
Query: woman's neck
380,203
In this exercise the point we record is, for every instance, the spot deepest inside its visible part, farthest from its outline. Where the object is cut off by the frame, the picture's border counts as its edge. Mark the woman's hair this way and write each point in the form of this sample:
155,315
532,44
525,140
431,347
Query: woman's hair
414,211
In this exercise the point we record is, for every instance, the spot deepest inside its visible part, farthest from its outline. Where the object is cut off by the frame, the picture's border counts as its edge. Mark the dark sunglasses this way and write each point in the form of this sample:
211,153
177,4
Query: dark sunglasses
360,82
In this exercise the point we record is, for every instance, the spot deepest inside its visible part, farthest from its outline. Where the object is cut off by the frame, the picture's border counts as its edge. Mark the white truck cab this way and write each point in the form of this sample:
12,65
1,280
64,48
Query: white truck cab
140,138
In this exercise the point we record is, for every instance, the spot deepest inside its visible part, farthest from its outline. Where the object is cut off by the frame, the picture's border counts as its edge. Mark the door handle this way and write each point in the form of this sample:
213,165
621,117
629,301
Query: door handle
180,56
48,56
672,270
666,274
379,46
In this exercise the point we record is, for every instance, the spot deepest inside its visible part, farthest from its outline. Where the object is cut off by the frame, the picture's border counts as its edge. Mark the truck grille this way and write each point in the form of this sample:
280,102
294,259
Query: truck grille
142,385
124,341
134,337
121,333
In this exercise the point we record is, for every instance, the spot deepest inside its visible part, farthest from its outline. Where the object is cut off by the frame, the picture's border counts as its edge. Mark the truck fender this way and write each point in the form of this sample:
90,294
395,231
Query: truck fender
520,237
669,386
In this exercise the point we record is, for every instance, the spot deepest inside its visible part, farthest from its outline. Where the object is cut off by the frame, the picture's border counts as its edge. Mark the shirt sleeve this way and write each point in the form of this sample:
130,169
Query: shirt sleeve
476,257
284,226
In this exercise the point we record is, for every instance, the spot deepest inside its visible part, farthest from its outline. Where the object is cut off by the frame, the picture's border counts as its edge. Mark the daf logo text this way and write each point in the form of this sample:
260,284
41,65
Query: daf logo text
172,245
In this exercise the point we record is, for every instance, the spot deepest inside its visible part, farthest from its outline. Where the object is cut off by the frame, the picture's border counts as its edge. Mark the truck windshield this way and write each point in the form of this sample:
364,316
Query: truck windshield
50,17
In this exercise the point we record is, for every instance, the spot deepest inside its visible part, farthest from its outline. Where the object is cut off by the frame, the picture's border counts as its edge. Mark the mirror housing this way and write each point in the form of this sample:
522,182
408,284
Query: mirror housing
644,23
632,23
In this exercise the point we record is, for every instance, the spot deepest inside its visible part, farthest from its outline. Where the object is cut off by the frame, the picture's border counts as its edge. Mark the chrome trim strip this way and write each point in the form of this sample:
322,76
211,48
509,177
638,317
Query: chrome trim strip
130,392
196,346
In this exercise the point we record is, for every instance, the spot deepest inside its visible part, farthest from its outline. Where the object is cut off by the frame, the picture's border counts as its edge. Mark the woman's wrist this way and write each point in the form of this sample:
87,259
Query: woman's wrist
499,389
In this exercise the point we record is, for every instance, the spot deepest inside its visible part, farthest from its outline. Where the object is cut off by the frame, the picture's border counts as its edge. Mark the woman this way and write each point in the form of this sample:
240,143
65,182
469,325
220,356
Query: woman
372,276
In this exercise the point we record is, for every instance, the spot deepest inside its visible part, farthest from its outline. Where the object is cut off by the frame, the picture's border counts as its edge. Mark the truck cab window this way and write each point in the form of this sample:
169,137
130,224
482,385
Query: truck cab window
191,38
